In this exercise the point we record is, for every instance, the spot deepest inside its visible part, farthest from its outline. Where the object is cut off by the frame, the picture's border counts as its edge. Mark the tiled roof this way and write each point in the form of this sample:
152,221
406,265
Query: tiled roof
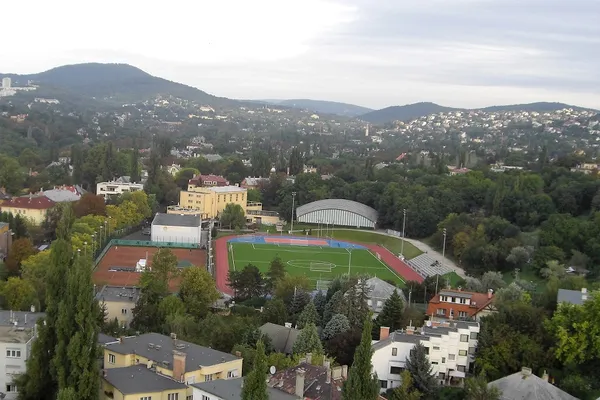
315,382
30,202
526,386
232,389
199,179
478,301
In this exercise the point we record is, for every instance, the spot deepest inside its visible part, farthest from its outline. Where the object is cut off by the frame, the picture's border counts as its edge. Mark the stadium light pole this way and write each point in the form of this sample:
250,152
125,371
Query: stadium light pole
349,260
403,230
437,276
293,205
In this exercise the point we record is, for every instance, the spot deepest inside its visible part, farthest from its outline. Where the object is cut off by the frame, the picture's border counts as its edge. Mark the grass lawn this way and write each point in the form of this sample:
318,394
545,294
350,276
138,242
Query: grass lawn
315,262
453,278
391,243
526,274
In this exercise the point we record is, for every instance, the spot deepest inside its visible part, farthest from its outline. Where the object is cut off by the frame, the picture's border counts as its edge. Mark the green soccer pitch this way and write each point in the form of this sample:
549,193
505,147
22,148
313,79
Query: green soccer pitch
320,264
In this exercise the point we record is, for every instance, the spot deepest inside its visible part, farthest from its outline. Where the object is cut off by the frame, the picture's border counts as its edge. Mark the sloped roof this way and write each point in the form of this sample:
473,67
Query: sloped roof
478,302
524,385
380,289
30,202
282,338
570,296
339,204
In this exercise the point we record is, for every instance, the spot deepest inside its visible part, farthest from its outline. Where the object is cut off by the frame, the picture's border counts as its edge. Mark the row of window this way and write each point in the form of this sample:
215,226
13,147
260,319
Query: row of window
13,353
170,396
461,300
461,314
451,357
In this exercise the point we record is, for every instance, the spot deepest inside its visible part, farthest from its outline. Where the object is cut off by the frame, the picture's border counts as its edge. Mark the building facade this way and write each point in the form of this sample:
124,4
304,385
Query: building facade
34,208
115,188
211,201
176,228
118,302
337,212
461,305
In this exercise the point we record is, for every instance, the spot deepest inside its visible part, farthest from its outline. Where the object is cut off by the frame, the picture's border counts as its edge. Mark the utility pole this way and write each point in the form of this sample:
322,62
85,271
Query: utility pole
437,276
403,231
349,260
293,205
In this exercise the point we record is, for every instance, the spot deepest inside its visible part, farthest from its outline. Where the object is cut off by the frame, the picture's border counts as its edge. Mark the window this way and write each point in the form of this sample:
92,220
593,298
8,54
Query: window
205,397
463,314
441,311
236,197
111,358
471,350
208,378
436,347
434,363
123,311
462,368
379,303
463,300
369,302
396,370
191,397
464,338
173,396
462,353
146,398
383,384
442,375
443,360
13,353
11,388
473,335
394,351
451,357
232,374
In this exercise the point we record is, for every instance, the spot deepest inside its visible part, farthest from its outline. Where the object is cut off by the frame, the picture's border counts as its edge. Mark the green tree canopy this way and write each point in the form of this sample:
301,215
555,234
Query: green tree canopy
422,372
197,291
308,315
255,385
233,216
361,383
308,341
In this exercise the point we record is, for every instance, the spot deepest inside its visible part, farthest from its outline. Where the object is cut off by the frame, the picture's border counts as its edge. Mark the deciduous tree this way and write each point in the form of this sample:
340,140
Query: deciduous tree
19,294
20,250
247,283
338,324
233,216
477,388
90,204
197,291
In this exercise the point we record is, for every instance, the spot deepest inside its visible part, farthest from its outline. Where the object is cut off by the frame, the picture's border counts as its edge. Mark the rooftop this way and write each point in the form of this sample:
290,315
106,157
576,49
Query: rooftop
159,348
282,338
139,379
572,296
226,189
524,385
17,326
31,202
316,386
118,293
339,204
61,195
423,334
477,302
177,220
104,339
232,389
380,289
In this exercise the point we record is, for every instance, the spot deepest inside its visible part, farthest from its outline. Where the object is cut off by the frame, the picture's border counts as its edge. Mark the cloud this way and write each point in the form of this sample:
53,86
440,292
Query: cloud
370,52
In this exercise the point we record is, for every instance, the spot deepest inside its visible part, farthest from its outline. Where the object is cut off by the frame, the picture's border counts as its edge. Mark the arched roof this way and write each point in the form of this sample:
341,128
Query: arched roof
338,204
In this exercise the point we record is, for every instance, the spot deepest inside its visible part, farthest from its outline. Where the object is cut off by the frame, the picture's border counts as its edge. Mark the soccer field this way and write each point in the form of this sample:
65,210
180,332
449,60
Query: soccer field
318,263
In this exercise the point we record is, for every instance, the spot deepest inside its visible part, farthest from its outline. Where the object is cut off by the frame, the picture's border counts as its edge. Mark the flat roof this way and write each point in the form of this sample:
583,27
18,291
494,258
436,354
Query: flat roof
18,326
226,189
118,293
186,220
140,379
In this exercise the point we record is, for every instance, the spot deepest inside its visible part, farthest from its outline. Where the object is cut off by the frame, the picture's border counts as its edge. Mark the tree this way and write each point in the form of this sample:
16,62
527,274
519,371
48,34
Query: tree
492,280
247,283
361,383
320,301
308,341
335,305
261,164
19,294
197,291
275,312
34,270
422,372
68,393
309,315
296,162
20,250
11,176
134,164
90,204
392,312
233,216
275,274
254,195
477,388
337,324
255,384
406,390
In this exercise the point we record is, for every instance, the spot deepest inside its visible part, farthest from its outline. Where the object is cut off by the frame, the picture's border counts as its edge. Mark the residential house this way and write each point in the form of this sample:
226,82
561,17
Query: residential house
118,302
138,382
450,347
211,201
207,180
282,337
252,182
5,239
461,305
33,207
17,333
174,169
577,297
176,359
231,389
524,385
311,382
116,188
64,194
379,292
4,196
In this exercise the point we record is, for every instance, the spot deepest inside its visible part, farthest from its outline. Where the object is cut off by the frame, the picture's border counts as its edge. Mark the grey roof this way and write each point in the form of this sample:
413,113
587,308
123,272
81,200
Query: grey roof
399,336
196,356
455,293
282,338
380,289
570,296
422,334
338,204
61,195
23,318
140,379
118,293
104,339
526,386
232,389
177,220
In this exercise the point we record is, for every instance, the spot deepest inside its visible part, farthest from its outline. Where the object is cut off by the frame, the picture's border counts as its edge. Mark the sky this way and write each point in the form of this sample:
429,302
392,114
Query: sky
373,53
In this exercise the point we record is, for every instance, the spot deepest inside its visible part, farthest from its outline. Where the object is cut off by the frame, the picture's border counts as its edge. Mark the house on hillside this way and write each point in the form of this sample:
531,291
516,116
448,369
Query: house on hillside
379,292
461,305
32,207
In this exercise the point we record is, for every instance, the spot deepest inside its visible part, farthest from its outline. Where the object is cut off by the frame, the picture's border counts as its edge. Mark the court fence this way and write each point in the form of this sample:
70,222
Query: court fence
143,243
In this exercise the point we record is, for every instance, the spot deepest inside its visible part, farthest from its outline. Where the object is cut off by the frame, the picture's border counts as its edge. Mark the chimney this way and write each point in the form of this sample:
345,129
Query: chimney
410,330
178,366
490,293
309,358
300,382
327,365
32,309
121,339
545,376
238,354
384,332
344,371
525,371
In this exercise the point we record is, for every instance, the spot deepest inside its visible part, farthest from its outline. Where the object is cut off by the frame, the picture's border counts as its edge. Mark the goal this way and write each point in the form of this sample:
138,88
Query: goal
321,266
323,285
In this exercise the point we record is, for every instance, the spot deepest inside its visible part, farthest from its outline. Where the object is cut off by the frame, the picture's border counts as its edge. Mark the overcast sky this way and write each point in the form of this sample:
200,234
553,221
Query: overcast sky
374,53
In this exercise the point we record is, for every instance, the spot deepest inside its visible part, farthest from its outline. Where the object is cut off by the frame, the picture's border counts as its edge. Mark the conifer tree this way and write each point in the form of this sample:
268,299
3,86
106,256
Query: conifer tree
134,164
421,371
308,316
392,313
320,302
308,341
255,384
362,384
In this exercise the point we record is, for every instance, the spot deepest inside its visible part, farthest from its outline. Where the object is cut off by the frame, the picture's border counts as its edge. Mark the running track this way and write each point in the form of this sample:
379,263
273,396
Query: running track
222,263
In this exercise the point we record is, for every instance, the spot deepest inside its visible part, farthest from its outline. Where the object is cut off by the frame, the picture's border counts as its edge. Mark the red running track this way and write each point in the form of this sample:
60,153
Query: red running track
222,263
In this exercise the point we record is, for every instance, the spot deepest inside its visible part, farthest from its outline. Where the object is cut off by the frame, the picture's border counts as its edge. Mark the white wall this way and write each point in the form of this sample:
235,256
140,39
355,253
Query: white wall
199,393
11,367
176,234
336,217
383,360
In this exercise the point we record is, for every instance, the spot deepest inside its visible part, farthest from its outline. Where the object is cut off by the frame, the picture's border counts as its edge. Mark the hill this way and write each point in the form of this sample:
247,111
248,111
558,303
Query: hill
115,82
403,113
539,107
324,107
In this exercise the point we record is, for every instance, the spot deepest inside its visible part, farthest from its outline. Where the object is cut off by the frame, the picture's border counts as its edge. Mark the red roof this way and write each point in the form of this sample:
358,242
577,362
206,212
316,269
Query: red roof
200,179
30,202
477,302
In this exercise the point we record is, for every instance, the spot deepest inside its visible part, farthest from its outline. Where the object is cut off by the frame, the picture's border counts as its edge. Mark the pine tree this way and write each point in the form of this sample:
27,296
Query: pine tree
68,394
308,316
392,313
336,325
255,384
275,273
320,302
405,391
333,306
308,341
134,164
361,383
421,371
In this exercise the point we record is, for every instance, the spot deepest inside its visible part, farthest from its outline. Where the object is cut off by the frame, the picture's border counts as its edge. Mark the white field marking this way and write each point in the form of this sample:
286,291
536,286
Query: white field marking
387,266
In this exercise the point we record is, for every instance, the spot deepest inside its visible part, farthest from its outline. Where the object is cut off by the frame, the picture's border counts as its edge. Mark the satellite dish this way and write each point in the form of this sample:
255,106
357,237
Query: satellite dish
428,323
272,369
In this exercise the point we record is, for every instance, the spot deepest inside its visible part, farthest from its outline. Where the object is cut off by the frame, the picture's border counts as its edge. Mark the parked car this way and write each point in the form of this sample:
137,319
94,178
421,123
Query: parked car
146,231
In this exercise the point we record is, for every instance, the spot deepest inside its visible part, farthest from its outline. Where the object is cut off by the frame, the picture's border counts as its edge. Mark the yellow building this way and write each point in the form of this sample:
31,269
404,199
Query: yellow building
211,201
167,358
33,207
140,383
118,303
256,215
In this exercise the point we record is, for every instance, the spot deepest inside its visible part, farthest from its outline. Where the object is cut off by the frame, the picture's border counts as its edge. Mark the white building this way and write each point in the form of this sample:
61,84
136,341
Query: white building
17,332
450,347
6,83
114,188
176,228
337,212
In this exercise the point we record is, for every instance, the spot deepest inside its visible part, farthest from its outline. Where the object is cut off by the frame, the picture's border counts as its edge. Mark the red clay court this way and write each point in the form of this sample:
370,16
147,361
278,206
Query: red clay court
128,256
295,242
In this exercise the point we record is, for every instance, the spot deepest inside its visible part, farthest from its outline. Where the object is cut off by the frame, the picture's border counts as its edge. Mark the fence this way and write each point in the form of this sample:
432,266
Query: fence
143,243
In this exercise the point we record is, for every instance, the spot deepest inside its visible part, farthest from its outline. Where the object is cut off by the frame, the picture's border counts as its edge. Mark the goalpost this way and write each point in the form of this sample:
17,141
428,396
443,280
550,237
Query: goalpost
321,267
323,285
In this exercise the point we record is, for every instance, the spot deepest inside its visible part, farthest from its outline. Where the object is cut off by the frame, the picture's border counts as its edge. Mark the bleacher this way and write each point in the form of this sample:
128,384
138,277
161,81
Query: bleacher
427,266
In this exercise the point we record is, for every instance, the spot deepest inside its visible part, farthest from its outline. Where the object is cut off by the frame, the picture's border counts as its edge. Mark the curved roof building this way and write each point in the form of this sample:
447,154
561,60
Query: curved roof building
337,212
